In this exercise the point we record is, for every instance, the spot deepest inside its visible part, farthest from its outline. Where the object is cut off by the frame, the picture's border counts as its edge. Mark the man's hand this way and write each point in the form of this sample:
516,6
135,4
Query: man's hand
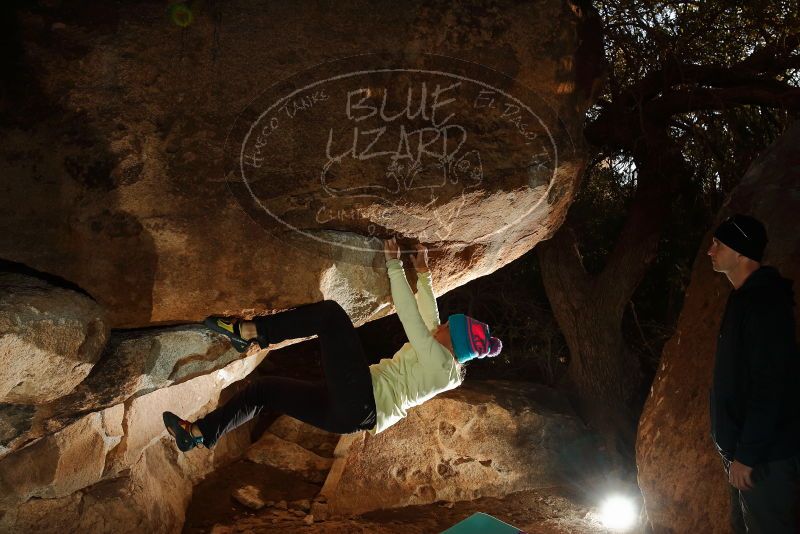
739,475
390,249
420,259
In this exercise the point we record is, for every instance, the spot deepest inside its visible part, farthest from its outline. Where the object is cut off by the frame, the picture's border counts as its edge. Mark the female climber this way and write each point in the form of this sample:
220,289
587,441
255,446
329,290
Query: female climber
353,395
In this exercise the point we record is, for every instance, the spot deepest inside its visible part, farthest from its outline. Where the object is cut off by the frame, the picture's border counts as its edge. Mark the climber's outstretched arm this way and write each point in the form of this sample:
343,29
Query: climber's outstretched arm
414,326
426,300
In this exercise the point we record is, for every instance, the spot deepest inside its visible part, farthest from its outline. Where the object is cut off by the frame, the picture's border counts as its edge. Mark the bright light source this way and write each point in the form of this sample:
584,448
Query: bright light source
618,512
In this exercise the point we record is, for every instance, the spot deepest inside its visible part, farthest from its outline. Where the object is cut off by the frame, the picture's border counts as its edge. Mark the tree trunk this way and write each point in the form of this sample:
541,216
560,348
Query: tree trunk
603,373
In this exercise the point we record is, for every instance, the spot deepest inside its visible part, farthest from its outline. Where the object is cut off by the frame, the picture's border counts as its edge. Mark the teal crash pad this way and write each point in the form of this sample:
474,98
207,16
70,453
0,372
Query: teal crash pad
480,523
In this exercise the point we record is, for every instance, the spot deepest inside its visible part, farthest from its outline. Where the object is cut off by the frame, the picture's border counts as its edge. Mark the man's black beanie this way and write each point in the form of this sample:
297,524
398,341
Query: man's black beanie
744,234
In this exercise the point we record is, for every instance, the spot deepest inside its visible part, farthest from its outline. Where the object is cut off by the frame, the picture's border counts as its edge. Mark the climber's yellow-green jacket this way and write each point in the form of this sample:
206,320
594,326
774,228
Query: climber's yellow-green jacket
422,367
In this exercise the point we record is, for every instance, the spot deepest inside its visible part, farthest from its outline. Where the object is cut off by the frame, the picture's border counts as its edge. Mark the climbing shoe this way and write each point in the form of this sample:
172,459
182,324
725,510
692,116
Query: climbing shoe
181,430
230,328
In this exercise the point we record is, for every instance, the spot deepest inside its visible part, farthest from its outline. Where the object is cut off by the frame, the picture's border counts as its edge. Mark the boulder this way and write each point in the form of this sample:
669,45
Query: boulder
319,510
680,472
288,456
61,464
129,131
50,339
249,496
116,470
307,436
133,364
190,399
481,439
137,501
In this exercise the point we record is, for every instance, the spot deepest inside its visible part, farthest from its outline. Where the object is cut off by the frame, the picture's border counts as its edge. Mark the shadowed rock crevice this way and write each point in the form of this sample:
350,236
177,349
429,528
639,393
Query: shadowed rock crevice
16,419
7,266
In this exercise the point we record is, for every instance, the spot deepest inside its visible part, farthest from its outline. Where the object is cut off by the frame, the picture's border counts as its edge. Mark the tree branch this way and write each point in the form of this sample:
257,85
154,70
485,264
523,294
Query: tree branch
774,94
619,126
762,64
660,167
771,57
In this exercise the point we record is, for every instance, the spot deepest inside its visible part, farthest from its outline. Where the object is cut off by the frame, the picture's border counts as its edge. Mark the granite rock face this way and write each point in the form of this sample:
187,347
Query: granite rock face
131,503
82,442
128,125
133,364
680,472
116,470
481,439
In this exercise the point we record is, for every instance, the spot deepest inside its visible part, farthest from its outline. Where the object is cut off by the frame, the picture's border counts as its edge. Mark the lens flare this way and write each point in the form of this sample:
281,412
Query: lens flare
181,15
618,513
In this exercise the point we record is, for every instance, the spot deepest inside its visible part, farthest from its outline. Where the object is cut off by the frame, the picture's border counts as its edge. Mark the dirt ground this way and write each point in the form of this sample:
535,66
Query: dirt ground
214,510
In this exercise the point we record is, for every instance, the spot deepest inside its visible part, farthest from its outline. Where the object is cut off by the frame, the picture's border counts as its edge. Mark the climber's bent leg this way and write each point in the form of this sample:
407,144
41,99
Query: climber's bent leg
303,321
303,400
344,363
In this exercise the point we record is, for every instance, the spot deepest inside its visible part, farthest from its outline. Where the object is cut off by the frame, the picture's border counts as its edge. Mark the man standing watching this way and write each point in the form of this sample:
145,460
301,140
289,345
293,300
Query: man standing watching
755,414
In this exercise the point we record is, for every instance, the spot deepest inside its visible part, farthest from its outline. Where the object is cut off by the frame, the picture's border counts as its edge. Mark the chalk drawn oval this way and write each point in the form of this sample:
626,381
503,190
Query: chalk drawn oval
370,146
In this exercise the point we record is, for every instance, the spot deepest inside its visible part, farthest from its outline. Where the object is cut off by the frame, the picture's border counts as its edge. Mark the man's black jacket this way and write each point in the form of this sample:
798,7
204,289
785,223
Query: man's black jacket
754,396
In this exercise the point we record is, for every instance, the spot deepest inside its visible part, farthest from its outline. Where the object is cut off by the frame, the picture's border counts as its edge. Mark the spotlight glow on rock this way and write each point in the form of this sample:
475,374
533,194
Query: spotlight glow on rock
618,512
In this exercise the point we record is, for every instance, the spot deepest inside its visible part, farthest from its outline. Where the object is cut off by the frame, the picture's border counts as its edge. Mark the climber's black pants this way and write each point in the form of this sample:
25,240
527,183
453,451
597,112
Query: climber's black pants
341,403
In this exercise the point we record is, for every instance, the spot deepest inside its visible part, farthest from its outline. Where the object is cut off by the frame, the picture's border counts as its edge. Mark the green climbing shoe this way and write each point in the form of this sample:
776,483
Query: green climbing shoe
228,327
181,430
